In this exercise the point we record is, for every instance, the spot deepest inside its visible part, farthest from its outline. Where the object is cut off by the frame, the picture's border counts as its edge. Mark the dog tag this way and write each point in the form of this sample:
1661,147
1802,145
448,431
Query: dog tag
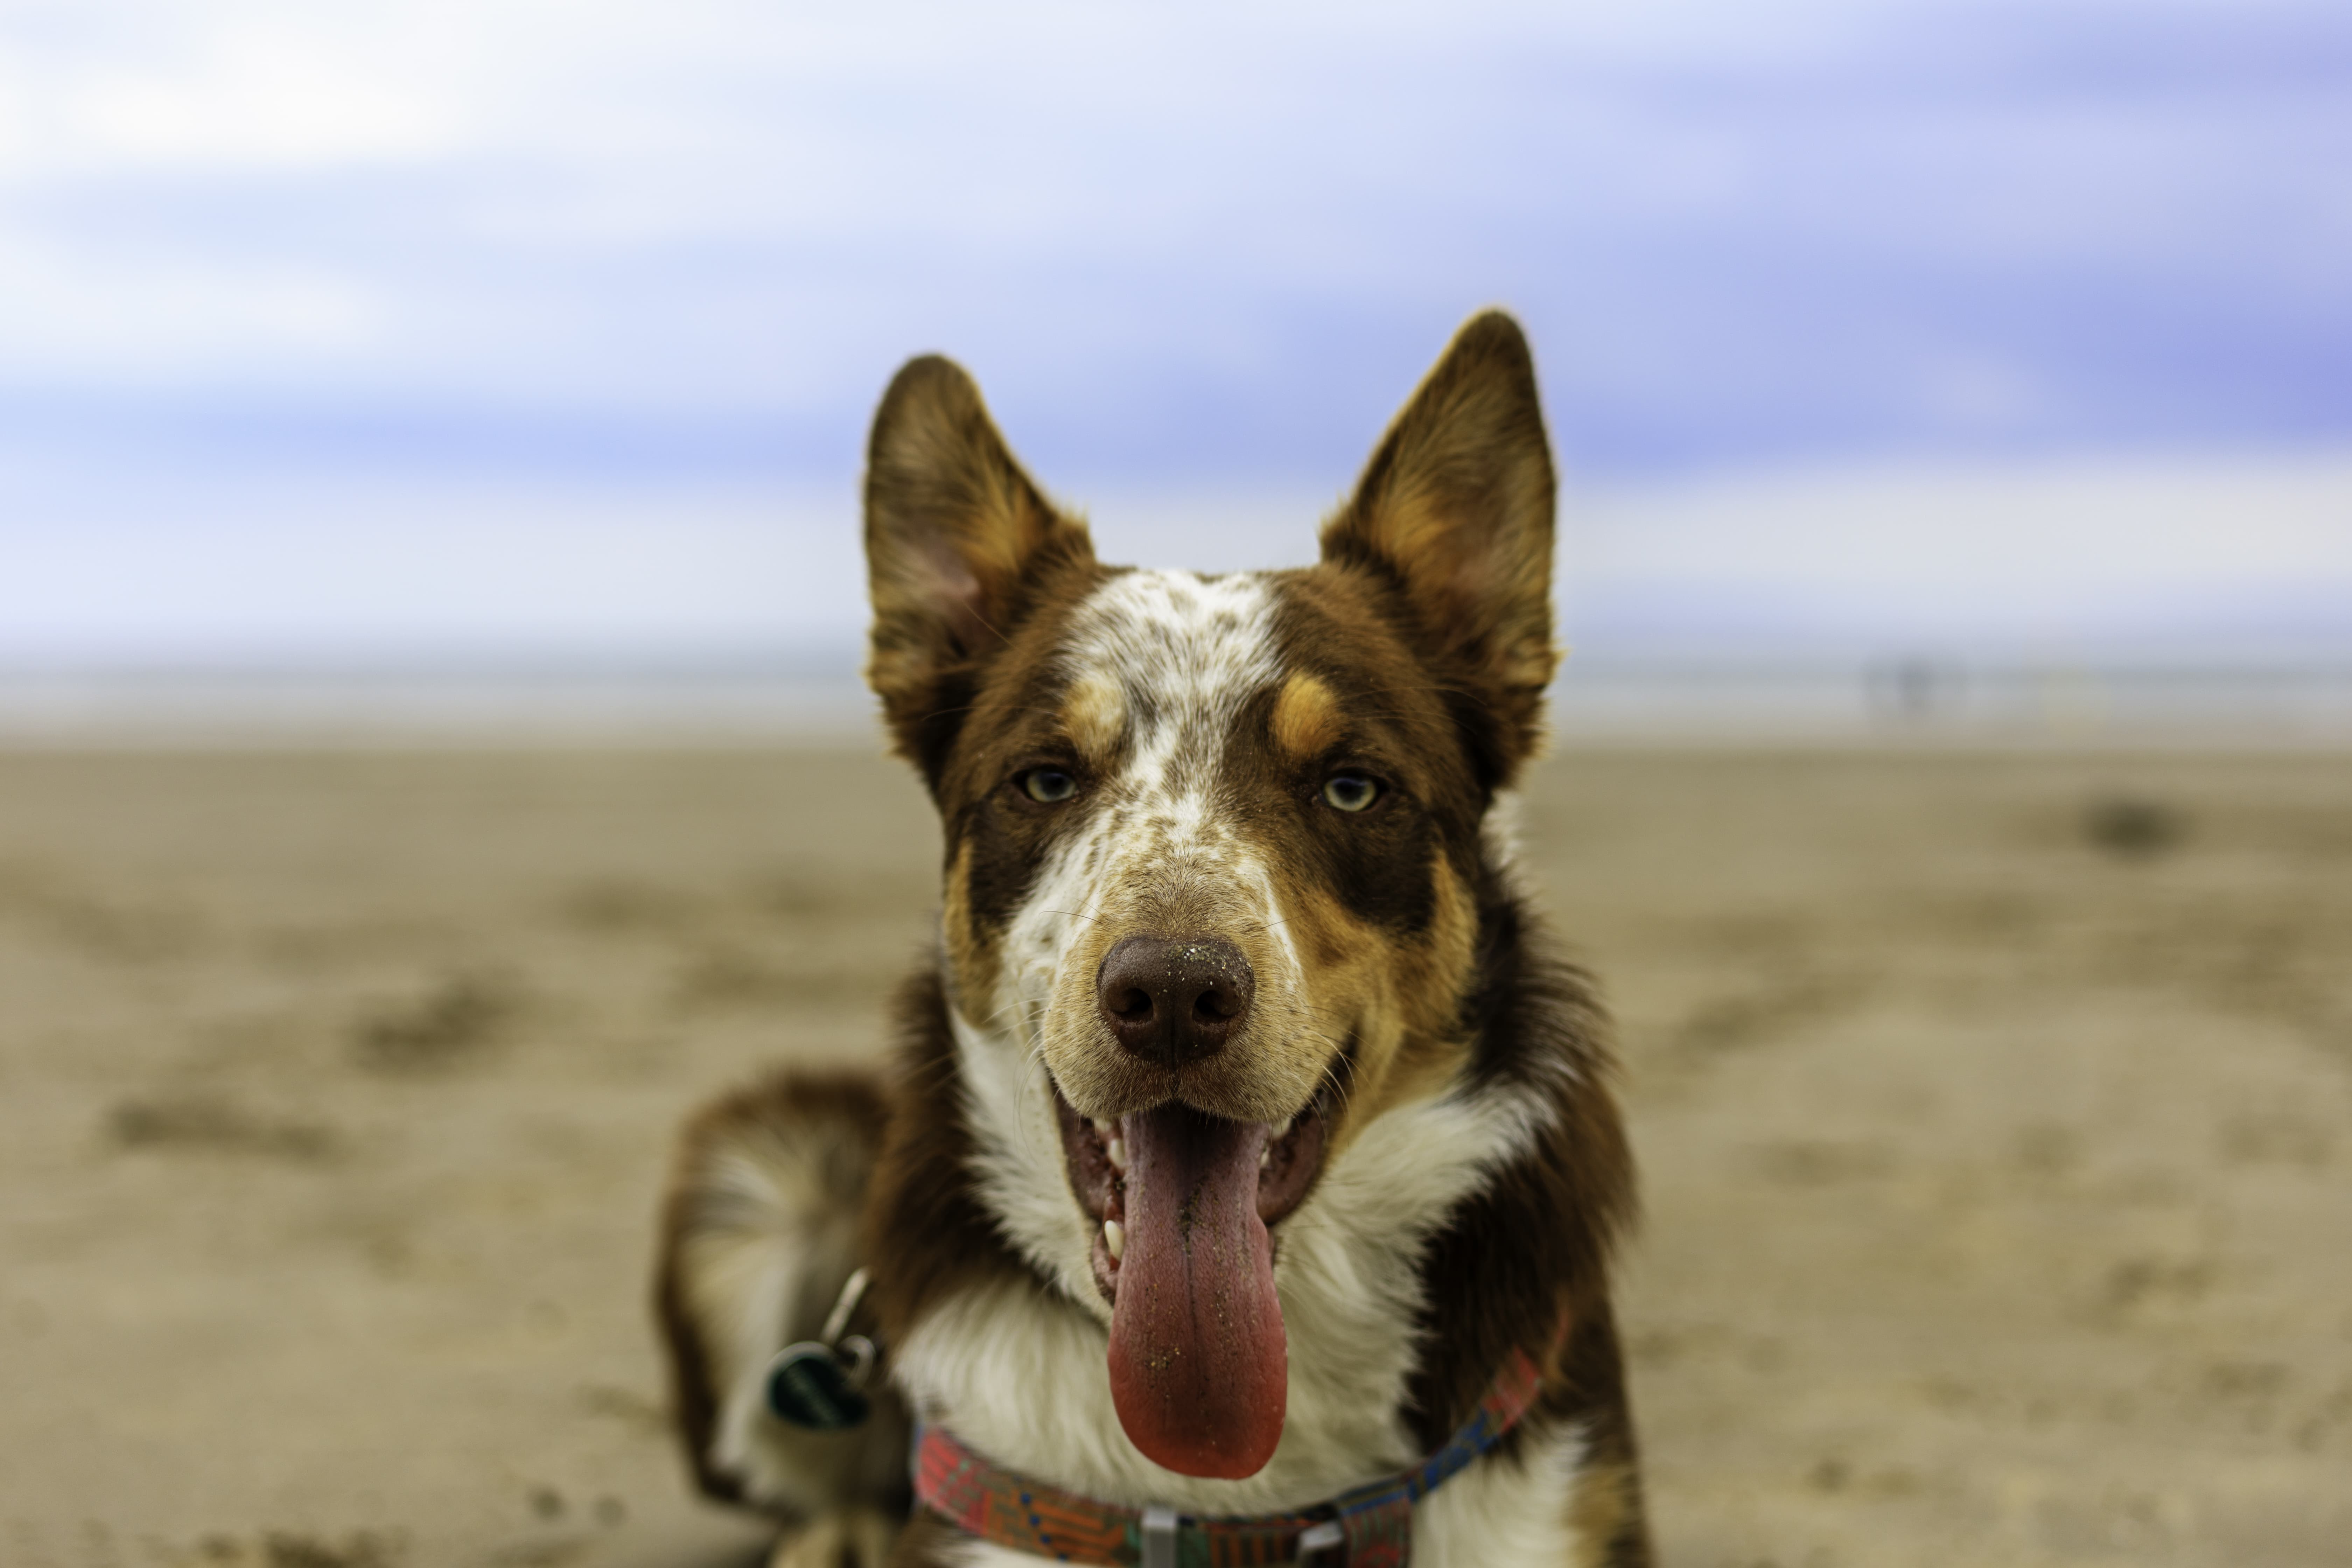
816,1388
819,1385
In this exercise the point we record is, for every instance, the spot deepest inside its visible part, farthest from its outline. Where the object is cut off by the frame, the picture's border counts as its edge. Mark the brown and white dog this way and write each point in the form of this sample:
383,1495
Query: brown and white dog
1245,1123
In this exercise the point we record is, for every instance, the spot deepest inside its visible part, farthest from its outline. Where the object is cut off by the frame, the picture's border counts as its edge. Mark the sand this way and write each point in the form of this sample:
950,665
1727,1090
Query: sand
1995,1115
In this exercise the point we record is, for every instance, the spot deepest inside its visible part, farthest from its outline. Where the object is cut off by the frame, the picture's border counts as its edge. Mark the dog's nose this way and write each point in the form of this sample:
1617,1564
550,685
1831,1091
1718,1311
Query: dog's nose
1174,1002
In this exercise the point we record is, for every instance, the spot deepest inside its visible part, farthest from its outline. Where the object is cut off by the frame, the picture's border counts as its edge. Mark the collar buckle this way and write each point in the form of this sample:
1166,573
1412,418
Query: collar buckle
1327,1536
1158,1537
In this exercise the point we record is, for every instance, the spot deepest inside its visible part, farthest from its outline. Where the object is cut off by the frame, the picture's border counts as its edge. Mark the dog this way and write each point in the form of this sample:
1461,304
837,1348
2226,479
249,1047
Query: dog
1245,1185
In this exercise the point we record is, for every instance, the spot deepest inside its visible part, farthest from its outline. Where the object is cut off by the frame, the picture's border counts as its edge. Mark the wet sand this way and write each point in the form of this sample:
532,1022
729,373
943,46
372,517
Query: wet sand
1995,1114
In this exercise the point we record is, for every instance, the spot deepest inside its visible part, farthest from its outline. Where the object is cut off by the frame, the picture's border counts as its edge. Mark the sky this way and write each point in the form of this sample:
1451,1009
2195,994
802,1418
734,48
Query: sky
508,329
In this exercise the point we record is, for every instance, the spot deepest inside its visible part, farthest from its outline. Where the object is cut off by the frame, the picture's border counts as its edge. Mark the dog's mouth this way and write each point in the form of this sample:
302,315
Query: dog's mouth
1183,1251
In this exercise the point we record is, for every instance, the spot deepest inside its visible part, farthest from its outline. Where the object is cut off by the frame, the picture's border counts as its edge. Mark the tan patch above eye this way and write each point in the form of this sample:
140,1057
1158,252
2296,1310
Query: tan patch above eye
1094,714
1306,718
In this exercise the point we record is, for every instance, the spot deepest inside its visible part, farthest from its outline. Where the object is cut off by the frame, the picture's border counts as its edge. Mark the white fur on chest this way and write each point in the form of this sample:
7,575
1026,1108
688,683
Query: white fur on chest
1018,1369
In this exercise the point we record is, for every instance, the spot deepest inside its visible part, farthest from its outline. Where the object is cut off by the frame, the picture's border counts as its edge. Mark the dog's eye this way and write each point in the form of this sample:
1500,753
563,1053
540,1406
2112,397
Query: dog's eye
1048,786
1350,792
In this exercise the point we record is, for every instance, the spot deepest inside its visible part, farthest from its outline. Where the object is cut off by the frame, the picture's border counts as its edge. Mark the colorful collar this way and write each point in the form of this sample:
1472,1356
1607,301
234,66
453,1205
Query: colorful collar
1370,1527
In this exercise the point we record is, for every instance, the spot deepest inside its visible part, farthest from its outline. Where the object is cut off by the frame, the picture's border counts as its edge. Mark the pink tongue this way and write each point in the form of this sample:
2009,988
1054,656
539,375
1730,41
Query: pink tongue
1199,1368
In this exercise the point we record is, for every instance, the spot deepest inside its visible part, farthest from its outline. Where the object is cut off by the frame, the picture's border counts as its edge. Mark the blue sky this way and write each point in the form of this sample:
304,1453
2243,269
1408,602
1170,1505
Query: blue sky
516,325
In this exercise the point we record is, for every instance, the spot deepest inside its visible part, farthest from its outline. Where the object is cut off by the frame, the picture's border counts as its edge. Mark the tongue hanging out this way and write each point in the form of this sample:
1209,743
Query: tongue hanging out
1198,1367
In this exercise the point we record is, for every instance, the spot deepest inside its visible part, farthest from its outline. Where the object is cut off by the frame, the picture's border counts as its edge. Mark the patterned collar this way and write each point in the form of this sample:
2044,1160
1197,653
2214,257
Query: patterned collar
1370,1527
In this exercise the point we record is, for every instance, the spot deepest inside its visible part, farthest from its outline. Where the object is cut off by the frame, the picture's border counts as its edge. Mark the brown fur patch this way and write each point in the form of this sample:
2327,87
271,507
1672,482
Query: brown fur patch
1424,980
926,1233
971,945
1094,716
1535,1243
1307,720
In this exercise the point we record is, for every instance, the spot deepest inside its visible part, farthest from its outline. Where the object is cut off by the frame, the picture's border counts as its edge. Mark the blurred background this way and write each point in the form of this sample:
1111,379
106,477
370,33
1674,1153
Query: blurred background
490,363
432,759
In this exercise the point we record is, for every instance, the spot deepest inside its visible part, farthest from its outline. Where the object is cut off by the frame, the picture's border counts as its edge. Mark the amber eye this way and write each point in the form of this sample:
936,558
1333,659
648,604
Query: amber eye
1048,786
1350,792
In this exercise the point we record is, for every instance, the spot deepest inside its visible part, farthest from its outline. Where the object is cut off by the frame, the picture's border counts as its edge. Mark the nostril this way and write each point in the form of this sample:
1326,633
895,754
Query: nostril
1173,1002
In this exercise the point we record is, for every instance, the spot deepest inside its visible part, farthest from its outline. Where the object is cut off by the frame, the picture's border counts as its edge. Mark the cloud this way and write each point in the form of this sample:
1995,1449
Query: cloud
1737,230
668,251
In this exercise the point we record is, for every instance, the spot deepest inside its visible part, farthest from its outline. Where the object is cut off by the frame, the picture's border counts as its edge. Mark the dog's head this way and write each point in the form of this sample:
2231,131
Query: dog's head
1213,843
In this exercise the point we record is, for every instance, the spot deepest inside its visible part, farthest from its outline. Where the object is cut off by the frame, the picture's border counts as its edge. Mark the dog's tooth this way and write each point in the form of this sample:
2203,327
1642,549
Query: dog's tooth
1115,1238
1265,1157
1117,1149
1102,1128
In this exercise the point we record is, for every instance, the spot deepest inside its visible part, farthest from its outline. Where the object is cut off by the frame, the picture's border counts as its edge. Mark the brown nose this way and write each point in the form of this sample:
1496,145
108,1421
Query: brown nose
1174,1002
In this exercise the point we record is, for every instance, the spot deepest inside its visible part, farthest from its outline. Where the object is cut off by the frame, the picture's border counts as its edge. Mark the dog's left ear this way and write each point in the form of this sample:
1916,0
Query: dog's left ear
1455,511
958,543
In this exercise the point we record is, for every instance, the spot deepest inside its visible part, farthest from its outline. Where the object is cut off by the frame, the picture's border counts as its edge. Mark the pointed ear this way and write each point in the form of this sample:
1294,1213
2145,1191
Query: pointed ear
958,540
1455,513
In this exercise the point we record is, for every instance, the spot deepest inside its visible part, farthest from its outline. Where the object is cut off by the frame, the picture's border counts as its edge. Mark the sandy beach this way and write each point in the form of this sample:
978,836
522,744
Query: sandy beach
1995,1115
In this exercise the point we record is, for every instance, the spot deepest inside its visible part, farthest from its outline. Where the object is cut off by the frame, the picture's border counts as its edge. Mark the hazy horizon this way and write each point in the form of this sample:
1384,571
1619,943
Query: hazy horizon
2165,562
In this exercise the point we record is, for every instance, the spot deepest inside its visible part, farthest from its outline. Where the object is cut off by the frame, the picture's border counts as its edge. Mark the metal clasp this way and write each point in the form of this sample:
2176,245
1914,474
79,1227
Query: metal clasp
851,1289
1325,1537
855,1353
819,1385
1158,1537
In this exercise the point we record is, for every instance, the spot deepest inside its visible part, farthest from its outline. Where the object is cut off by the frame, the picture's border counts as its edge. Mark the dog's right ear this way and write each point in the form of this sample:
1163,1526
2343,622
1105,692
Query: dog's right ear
1455,511
958,539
